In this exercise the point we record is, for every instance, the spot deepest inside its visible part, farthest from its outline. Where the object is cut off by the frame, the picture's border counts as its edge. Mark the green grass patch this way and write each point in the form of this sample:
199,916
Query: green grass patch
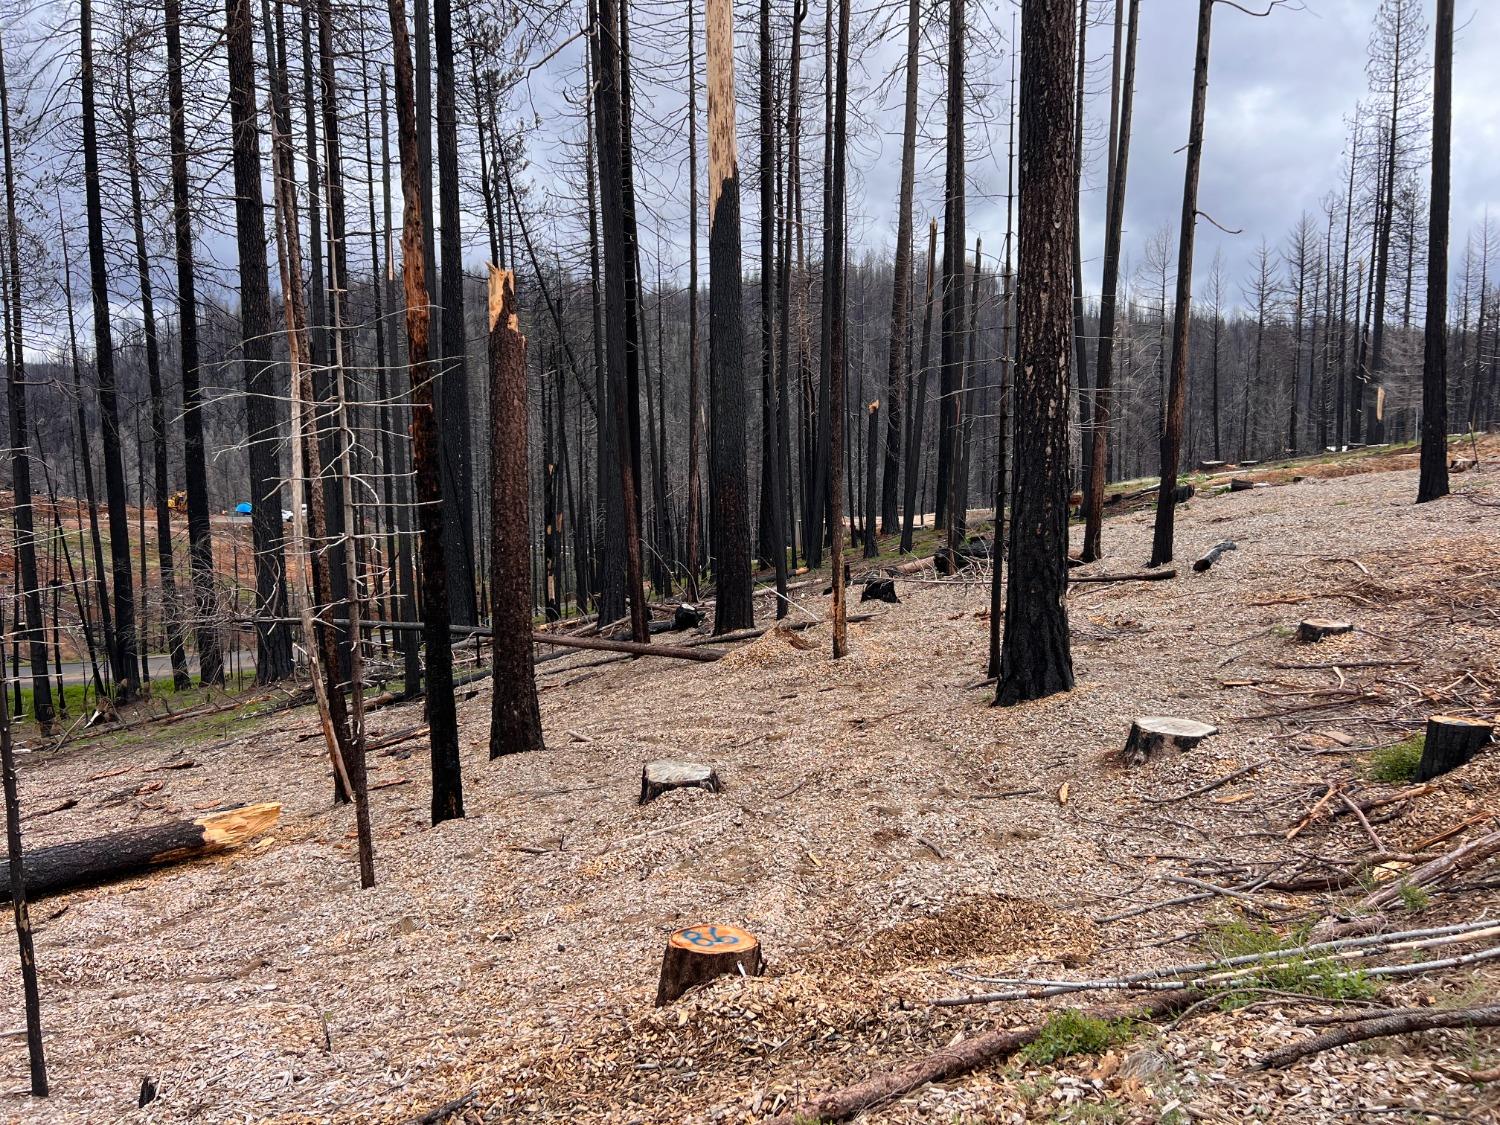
1397,763
1070,1032
1306,976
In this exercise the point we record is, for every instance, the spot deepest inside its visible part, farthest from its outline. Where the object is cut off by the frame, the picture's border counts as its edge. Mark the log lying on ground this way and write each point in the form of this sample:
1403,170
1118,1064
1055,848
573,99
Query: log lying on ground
1132,576
601,644
1314,629
912,566
101,859
1159,732
1452,740
1402,1023
701,953
1212,556
952,1061
663,776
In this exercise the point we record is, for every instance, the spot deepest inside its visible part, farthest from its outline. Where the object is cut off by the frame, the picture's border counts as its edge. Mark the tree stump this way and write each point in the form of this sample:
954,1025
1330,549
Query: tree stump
1159,732
701,953
1211,466
1240,484
686,616
1451,741
663,776
1182,493
880,590
1212,556
1314,629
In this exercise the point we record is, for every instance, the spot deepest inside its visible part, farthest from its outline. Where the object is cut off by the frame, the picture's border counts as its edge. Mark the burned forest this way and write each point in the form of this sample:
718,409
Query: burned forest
641,562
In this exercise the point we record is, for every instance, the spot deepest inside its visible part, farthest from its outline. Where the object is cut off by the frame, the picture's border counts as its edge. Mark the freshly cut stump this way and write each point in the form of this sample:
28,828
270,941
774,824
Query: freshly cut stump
1314,629
1451,741
1158,732
701,953
661,777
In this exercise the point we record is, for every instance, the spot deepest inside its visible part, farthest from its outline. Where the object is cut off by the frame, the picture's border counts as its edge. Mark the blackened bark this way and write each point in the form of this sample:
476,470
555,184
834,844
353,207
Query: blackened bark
835,271
734,607
950,403
194,462
1104,371
124,655
919,406
773,524
1171,436
442,717
515,720
1434,459
695,390
1035,658
897,370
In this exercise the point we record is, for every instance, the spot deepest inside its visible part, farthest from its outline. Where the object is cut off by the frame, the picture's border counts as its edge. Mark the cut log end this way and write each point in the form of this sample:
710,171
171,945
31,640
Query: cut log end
1452,741
1314,629
1212,556
880,589
664,776
700,953
1152,733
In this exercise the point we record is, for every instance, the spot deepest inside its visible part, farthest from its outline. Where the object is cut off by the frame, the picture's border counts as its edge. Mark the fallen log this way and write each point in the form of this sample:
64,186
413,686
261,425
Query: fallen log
600,644
1403,1023
952,1061
1212,556
102,859
1132,576
913,566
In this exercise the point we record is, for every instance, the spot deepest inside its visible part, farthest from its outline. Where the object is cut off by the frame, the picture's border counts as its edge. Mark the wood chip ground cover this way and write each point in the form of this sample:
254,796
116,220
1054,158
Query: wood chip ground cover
884,833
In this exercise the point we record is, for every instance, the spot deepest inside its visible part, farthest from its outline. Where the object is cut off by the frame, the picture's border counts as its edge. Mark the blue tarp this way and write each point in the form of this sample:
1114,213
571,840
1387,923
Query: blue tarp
242,508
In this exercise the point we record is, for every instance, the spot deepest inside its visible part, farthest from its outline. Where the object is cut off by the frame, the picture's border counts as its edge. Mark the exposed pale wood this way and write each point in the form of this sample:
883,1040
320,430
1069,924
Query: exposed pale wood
1316,628
1212,556
701,953
100,859
1160,732
665,775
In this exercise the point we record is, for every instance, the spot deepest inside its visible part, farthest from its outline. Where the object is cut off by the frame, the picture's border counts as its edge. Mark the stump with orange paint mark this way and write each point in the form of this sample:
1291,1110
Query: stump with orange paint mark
701,953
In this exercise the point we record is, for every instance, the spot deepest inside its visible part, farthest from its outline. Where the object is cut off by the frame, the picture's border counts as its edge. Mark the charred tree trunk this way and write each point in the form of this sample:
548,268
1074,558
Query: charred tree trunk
919,405
1035,657
695,390
1171,438
1434,459
835,271
194,463
950,413
773,529
1104,372
734,606
442,717
515,720
125,656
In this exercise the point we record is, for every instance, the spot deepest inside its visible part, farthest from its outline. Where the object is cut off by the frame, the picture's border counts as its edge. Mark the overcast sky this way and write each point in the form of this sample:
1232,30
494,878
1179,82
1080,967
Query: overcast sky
1281,92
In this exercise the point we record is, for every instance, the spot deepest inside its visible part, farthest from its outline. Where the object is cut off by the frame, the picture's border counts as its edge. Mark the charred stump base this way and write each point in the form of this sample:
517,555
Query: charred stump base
880,590
1314,629
1158,732
1240,484
686,616
701,953
664,776
1451,741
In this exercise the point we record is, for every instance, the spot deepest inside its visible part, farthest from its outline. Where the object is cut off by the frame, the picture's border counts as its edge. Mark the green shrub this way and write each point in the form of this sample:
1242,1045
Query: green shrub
1399,762
1070,1032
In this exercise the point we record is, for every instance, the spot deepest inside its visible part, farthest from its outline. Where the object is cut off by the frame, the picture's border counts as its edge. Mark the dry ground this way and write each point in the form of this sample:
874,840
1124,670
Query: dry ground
865,835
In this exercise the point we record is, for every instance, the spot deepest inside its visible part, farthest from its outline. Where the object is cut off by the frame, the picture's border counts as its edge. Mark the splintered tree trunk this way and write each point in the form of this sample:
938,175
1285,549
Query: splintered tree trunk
195,467
734,607
515,720
273,657
1434,459
1171,437
35,633
1035,658
896,367
442,714
125,650
101,859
